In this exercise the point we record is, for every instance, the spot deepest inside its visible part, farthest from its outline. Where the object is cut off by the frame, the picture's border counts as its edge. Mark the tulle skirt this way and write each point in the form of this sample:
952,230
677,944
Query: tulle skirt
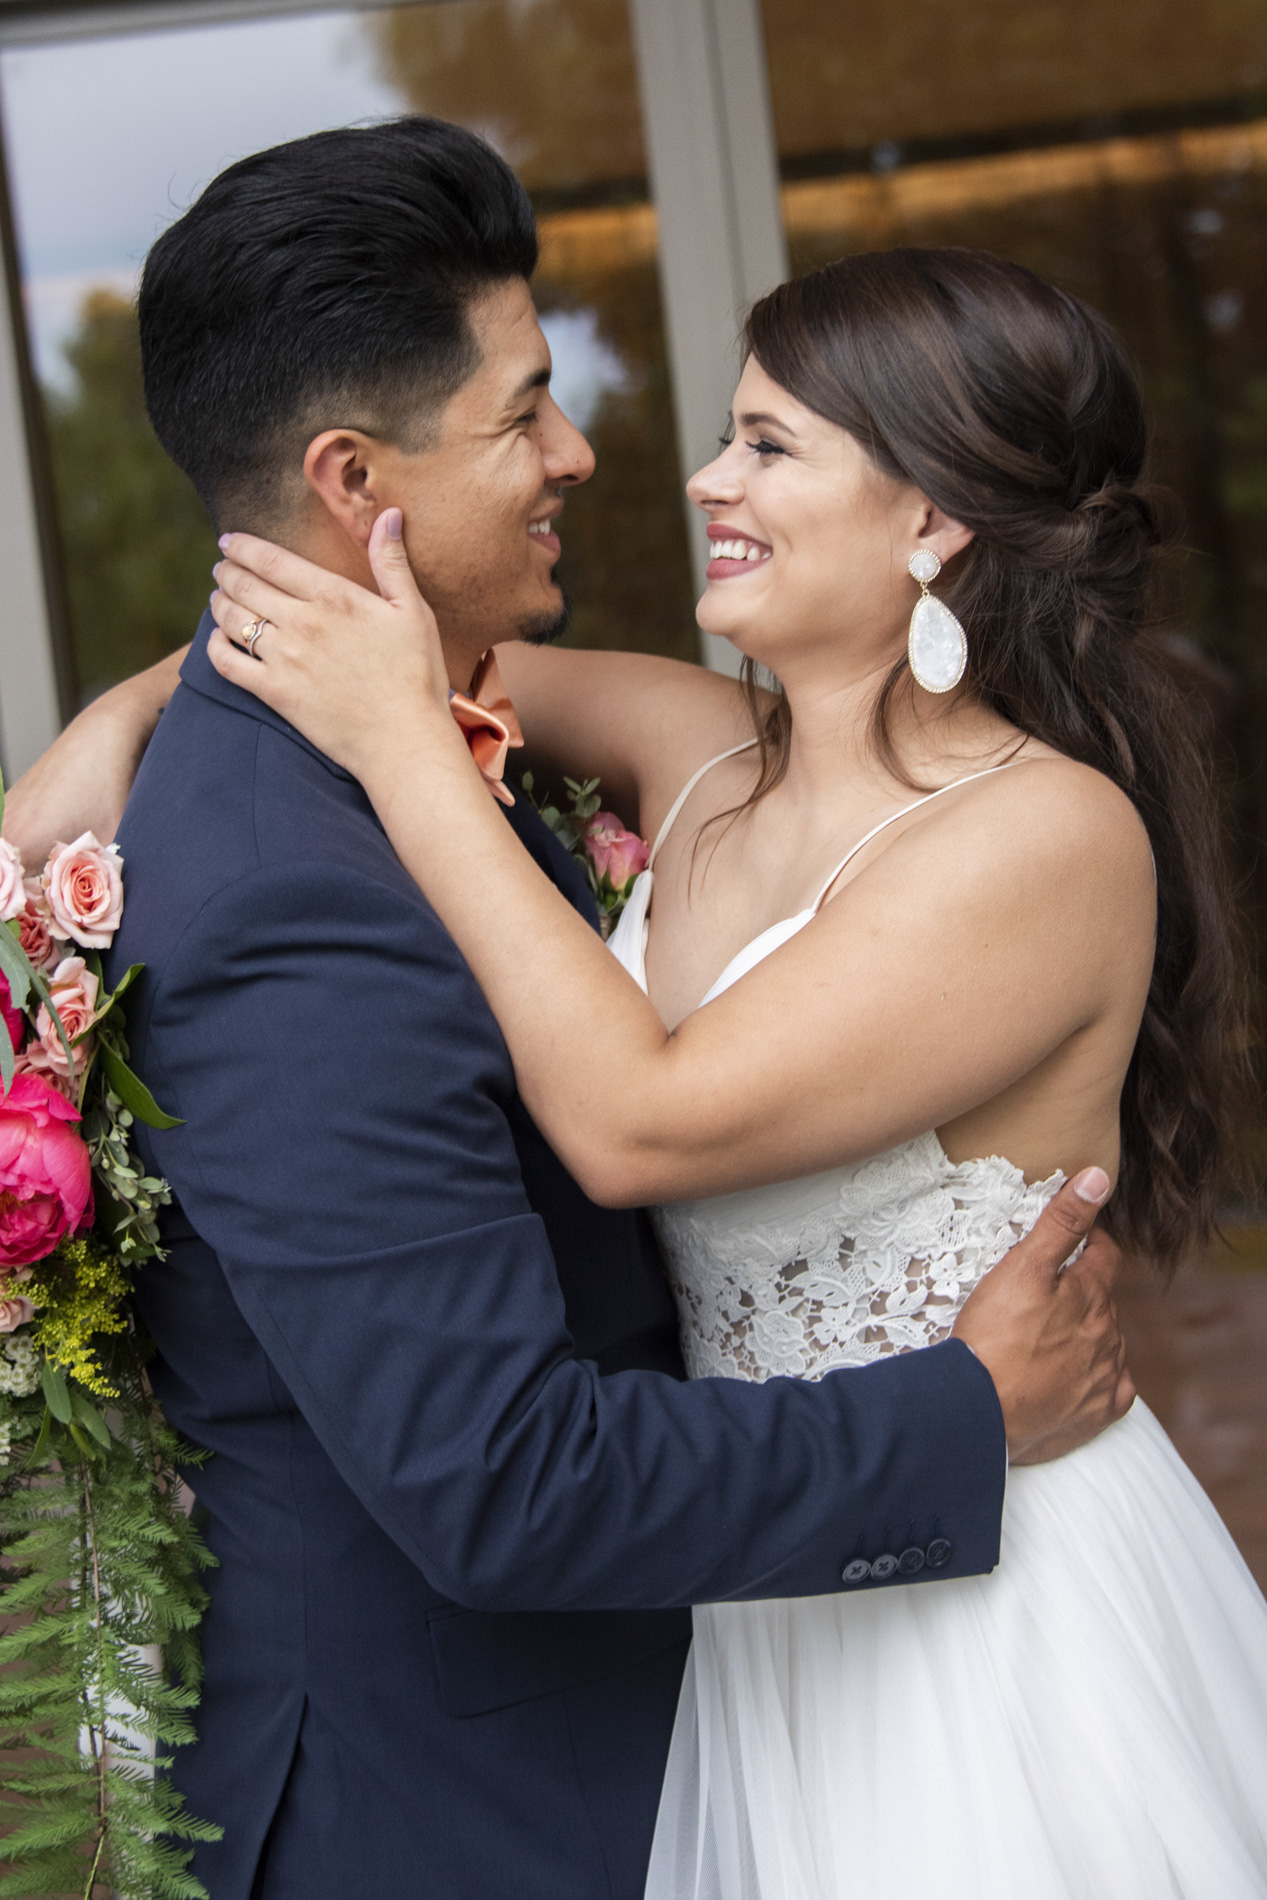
1087,1723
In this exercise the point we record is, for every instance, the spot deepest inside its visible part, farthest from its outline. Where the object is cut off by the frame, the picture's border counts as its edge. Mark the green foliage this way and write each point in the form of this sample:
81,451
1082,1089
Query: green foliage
101,1564
138,545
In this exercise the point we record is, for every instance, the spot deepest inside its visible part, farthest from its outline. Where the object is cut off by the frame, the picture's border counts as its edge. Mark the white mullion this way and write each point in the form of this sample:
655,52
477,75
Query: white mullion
714,175
30,708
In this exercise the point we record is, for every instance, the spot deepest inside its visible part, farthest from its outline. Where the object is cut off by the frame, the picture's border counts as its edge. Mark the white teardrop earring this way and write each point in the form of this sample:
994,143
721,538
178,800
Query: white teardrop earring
937,645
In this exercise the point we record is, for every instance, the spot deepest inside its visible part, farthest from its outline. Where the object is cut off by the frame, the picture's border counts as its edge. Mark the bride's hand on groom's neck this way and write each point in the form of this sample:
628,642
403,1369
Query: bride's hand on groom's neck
1048,1333
363,676
83,780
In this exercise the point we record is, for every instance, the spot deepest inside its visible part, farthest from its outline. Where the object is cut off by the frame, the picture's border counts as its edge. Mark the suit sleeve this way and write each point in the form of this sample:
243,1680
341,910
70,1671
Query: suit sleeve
346,1152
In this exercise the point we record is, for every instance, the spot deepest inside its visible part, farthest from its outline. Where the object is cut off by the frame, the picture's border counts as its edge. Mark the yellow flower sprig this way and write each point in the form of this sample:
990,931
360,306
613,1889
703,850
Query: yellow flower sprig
79,1293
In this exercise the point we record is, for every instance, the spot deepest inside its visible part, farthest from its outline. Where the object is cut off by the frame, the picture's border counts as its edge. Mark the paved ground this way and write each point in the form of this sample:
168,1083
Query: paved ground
1198,1351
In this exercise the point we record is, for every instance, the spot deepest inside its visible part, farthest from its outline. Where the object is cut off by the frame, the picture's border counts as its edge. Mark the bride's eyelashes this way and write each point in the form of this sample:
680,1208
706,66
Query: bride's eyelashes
763,447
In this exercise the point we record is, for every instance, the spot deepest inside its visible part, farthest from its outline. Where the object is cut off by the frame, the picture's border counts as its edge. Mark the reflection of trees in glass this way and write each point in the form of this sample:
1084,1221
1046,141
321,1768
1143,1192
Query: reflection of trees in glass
625,559
138,545
847,73
551,82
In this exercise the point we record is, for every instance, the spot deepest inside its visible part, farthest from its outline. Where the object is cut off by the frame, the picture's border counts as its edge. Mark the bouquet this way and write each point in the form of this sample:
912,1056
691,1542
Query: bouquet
610,856
101,1564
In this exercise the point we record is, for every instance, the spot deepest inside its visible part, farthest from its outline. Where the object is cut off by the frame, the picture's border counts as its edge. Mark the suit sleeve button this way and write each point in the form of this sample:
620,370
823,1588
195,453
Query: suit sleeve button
856,1571
939,1553
884,1566
911,1562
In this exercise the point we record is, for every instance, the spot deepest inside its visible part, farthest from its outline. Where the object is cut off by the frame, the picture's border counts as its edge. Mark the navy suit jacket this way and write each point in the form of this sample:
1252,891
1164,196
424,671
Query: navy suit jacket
460,1494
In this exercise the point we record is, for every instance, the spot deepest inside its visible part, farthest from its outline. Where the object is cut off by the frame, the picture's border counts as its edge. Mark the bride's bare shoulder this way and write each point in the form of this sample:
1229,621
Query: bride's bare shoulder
1048,829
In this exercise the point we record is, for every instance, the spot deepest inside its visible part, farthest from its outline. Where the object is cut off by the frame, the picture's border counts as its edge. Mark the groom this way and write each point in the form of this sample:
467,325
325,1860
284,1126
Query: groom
461,1496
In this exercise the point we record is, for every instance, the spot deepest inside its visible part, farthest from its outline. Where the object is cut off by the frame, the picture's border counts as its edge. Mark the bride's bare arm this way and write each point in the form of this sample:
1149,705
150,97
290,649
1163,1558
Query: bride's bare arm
972,949
638,723
82,782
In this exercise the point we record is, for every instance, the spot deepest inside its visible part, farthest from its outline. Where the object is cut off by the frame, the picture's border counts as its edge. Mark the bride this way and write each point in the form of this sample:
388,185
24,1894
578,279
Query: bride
924,931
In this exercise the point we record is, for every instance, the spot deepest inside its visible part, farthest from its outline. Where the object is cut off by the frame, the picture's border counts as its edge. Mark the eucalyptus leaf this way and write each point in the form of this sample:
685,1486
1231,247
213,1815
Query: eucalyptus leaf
56,1392
124,984
15,968
37,1450
132,1092
90,1418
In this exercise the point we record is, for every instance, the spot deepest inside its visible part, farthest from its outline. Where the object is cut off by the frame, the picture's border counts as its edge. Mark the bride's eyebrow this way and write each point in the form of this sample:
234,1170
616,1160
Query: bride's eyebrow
759,418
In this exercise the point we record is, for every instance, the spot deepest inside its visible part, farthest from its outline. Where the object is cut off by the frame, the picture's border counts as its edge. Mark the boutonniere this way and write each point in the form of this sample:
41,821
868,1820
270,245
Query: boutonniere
610,856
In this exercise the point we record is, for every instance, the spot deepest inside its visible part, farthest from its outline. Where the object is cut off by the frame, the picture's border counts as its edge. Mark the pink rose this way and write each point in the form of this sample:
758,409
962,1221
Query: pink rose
15,1312
35,928
45,1172
12,882
83,883
74,990
613,851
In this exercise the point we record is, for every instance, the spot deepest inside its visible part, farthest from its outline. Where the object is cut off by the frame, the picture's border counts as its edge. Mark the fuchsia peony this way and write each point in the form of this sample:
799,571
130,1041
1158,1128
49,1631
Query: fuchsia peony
12,883
83,883
613,851
45,1177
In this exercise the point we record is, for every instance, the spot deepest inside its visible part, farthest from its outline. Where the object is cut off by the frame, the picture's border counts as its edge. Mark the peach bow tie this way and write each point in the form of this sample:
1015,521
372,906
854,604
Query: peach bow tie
489,725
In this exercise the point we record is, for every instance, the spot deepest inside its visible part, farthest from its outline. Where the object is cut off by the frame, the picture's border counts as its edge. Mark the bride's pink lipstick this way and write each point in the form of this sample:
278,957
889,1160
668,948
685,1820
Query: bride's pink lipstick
736,552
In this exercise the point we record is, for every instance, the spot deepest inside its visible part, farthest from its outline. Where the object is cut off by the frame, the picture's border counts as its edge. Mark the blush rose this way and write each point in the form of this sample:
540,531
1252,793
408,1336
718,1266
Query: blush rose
12,883
35,928
74,990
45,1173
614,852
83,883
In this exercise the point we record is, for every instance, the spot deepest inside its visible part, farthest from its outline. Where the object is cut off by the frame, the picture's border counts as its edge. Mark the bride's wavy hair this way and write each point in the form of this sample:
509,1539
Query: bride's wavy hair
1014,408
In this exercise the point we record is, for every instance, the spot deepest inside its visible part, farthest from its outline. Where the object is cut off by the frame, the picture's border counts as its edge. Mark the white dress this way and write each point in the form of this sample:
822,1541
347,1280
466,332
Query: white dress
1089,1722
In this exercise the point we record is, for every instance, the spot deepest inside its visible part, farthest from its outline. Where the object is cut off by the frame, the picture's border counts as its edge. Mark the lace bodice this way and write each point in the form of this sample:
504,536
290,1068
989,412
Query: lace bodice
838,1268
842,1267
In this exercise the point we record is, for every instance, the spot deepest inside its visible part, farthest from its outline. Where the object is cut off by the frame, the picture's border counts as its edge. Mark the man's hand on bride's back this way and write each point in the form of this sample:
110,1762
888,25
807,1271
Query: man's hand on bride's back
1050,1338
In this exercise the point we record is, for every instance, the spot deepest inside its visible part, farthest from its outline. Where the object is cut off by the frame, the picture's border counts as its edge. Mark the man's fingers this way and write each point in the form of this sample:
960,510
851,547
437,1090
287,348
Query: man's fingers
1100,1260
1063,1223
288,572
1125,1396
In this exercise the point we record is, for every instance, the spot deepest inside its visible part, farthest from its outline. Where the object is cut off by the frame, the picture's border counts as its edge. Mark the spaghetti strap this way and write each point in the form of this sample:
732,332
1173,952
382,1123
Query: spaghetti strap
686,791
905,813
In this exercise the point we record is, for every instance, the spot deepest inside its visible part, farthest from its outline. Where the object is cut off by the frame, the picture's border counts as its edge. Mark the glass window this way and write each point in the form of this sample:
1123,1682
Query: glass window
109,138
1122,152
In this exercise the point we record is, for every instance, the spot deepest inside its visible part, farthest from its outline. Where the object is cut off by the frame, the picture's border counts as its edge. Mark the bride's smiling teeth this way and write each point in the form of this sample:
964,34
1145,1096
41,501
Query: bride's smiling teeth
738,548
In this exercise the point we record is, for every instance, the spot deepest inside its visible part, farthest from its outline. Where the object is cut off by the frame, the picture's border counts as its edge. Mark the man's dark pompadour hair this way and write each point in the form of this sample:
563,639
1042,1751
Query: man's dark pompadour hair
323,284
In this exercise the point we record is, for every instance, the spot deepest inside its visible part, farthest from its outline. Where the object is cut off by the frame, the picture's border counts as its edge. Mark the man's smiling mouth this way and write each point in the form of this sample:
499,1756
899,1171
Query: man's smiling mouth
543,533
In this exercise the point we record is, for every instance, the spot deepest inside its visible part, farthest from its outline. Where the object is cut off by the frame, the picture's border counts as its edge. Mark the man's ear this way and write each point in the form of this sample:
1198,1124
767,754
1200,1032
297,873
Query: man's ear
343,468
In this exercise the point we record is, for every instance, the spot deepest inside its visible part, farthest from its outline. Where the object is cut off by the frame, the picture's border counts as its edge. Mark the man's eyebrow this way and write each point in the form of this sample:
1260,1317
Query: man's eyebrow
536,379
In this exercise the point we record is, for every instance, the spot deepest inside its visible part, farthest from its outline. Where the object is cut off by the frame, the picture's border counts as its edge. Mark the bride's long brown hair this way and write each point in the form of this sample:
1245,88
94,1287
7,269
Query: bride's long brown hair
1013,407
